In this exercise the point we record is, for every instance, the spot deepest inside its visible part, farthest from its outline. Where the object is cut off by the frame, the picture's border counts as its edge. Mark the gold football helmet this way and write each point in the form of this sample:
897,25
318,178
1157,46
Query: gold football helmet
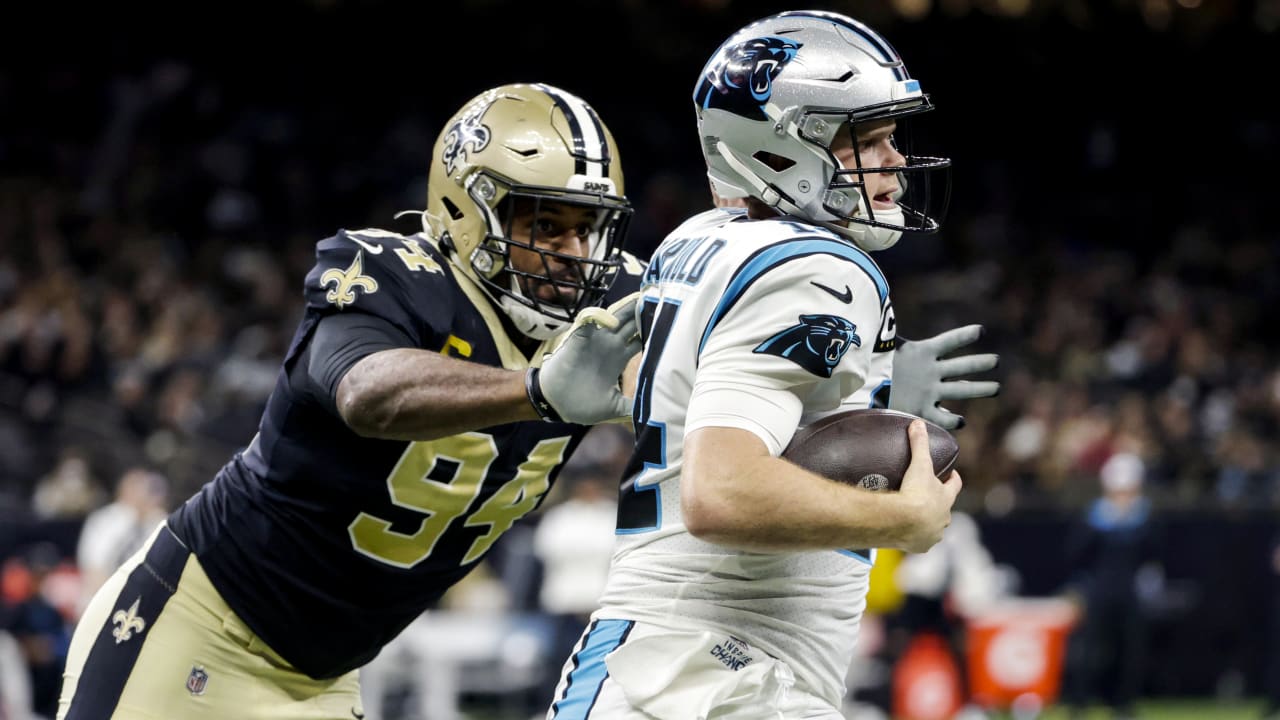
528,146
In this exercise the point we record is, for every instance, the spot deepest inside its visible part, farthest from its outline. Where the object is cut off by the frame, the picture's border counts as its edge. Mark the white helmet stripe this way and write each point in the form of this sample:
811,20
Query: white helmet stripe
591,150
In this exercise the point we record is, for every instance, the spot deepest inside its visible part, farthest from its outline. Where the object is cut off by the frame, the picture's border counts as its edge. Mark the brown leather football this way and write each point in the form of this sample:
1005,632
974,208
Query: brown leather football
867,447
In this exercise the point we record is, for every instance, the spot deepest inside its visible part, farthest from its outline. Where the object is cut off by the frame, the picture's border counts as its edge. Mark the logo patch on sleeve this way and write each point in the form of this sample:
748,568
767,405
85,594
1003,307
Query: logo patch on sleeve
346,282
816,344
127,622
887,340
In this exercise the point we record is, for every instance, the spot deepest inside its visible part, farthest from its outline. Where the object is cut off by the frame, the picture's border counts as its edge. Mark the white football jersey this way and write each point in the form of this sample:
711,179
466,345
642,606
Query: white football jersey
764,326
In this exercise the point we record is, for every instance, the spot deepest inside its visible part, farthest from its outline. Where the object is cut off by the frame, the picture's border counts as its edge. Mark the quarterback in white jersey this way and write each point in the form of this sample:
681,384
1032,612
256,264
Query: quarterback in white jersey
738,579
770,324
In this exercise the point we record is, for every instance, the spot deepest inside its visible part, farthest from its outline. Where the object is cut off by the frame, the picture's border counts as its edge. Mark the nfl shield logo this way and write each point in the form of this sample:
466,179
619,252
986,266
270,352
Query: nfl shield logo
197,680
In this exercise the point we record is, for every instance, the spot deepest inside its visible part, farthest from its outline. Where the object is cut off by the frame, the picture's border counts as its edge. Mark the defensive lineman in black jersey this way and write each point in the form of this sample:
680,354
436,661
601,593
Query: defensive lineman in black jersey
409,428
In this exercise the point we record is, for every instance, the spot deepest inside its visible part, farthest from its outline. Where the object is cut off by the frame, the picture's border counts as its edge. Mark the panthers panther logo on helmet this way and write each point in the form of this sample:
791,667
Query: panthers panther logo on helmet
816,344
740,77
468,133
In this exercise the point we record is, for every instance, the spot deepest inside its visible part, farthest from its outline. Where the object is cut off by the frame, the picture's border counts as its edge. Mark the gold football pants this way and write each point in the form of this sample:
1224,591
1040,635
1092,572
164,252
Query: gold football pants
158,642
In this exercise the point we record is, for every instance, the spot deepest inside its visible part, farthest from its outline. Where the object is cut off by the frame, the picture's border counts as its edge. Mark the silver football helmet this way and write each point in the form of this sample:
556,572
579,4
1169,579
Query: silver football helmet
774,97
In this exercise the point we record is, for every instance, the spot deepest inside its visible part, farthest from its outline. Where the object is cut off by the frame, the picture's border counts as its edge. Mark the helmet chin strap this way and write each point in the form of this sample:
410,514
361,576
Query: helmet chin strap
867,237
871,238
530,322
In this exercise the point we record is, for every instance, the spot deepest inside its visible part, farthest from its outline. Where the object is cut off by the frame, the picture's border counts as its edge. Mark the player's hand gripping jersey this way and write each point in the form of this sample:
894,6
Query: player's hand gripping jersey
327,543
763,326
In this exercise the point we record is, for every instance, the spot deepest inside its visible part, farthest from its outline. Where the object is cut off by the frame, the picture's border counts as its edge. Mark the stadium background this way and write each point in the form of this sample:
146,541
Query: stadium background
165,173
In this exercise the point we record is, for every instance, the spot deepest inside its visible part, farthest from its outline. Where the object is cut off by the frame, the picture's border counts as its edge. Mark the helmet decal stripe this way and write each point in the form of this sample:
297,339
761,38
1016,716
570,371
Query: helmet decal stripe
590,148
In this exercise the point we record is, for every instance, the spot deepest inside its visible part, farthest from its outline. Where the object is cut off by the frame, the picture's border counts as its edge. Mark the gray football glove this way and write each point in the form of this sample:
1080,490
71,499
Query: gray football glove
922,378
578,381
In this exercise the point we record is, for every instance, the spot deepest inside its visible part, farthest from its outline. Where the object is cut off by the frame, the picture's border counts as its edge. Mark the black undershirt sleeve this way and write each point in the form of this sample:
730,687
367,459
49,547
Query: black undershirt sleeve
339,342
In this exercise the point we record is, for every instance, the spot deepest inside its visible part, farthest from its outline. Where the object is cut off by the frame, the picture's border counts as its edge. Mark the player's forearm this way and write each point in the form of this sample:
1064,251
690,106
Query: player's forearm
777,507
759,503
408,394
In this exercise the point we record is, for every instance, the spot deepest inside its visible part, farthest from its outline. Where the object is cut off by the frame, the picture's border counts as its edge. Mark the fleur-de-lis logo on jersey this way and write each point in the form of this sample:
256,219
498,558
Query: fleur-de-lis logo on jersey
127,622
346,281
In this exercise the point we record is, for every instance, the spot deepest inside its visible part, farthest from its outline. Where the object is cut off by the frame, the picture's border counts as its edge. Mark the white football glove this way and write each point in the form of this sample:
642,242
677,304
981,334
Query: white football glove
578,381
922,379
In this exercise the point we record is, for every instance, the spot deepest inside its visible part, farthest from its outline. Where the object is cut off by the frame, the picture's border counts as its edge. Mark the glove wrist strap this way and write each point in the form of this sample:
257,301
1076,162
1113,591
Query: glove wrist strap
533,388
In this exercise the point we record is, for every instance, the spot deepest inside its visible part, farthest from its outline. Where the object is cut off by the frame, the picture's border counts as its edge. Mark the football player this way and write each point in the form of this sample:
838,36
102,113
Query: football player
415,419
737,583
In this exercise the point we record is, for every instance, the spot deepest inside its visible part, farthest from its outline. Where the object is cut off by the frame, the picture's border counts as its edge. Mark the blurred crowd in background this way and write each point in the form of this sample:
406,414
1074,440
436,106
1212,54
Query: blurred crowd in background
161,195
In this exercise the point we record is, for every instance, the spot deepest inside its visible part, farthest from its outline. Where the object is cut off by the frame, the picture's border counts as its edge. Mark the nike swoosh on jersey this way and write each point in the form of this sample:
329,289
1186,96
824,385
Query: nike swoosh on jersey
373,249
845,297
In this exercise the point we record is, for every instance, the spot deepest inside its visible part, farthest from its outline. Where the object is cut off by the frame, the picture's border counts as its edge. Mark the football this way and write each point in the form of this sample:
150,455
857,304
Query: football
867,447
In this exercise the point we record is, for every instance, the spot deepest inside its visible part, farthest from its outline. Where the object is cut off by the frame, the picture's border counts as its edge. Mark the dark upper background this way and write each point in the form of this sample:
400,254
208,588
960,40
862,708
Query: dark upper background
166,172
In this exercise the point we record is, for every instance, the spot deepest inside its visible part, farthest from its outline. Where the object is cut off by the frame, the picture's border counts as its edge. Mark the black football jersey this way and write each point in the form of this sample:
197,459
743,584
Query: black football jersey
327,543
